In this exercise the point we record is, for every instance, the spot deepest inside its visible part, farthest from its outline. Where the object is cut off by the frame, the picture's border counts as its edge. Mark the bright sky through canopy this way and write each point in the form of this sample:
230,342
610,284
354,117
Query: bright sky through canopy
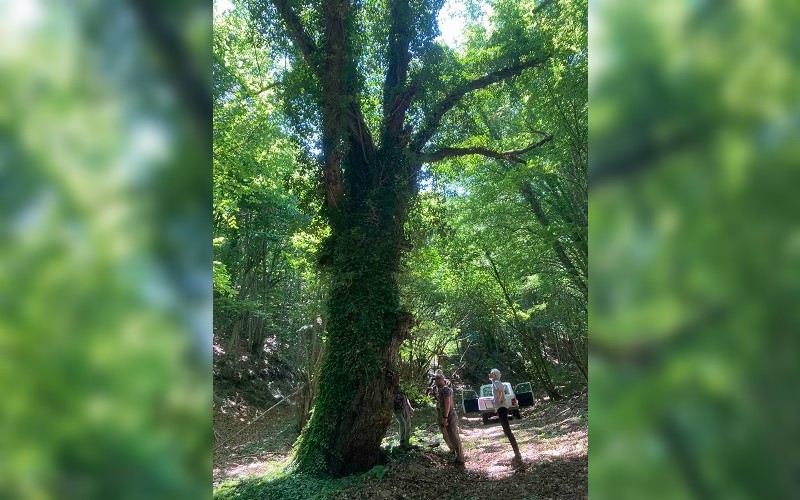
451,19
221,6
451,23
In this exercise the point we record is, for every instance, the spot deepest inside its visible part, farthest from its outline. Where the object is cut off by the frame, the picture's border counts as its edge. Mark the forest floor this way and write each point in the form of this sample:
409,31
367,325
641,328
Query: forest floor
552,437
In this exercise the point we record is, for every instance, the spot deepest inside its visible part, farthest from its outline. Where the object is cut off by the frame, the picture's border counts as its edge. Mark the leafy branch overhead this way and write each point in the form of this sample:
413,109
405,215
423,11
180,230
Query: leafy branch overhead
409,114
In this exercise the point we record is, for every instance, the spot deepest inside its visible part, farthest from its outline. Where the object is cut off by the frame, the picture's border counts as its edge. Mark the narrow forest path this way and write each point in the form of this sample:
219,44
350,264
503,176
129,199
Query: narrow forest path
552,437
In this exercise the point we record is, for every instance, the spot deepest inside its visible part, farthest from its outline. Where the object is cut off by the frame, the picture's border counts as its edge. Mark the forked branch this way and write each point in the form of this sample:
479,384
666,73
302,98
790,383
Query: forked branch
296,31
434,119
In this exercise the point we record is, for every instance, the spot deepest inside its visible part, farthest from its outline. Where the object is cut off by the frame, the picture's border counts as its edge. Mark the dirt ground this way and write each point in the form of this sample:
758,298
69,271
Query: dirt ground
250,442
552,438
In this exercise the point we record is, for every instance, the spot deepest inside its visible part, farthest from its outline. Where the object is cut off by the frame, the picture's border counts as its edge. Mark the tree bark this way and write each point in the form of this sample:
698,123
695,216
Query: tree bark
365,329
365,324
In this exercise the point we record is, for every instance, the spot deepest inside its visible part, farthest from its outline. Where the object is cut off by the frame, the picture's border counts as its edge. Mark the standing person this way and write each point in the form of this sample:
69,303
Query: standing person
402,412
434,391
448,419
502,403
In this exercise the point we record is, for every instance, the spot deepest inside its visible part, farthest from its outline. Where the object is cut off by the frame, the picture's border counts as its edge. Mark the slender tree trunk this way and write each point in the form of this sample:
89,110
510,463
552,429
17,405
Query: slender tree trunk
540,369
570,348
579,277
314,353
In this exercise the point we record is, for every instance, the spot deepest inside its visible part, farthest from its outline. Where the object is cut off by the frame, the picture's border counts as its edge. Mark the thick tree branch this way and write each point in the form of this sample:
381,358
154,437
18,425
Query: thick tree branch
396,99
297,32
342,119
514,155
357,127
333,96
434,119
330,76
395,114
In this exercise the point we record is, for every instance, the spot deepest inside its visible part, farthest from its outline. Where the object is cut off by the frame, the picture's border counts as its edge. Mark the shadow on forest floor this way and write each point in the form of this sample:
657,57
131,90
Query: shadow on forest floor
552,438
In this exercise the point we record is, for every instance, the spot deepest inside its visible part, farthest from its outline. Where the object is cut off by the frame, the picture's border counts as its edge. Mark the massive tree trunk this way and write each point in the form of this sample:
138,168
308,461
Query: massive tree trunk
365,329
351,412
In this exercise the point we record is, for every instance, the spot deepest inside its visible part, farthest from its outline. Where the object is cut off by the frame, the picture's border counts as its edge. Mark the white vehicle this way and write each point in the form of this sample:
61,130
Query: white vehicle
521,397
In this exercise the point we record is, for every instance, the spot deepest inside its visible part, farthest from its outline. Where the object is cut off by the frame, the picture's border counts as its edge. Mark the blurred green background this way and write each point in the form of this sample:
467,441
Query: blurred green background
694,249
105,261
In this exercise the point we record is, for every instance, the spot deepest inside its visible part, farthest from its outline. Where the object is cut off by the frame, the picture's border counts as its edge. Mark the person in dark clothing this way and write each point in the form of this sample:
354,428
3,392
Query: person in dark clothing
501,403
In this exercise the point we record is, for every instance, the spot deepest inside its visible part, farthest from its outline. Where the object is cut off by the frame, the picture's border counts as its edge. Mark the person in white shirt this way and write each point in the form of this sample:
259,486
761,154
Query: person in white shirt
502,404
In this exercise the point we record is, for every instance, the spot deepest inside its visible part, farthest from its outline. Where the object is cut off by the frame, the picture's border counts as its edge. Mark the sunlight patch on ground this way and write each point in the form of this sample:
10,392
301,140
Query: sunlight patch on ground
267,465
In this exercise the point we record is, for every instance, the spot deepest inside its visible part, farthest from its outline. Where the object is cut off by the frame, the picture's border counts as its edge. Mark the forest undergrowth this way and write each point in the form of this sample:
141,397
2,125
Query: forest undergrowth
252,457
